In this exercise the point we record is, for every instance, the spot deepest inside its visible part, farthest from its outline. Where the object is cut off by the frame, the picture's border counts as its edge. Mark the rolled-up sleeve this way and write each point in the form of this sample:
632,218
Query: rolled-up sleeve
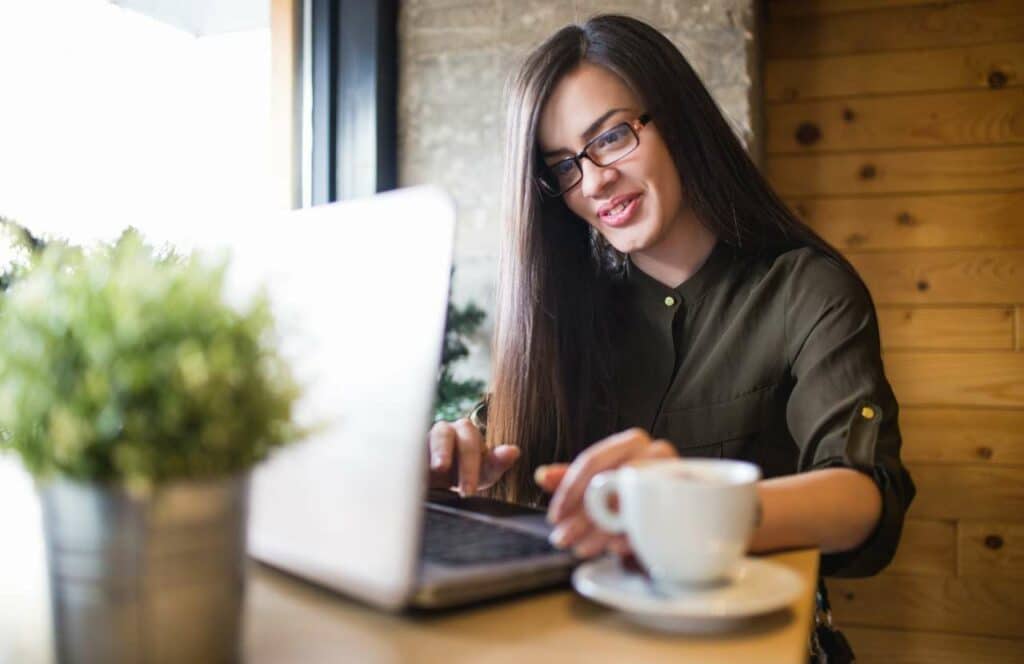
835,364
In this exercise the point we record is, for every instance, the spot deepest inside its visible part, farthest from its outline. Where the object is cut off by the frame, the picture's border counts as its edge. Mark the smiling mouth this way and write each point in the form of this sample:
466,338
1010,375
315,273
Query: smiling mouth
621,212
618,208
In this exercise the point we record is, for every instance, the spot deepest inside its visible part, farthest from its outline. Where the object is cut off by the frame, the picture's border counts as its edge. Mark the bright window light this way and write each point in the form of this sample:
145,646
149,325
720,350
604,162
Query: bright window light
109,118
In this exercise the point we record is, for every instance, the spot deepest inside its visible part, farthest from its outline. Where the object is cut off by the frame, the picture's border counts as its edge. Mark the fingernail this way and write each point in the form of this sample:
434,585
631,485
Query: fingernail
435,461
540,474
557,538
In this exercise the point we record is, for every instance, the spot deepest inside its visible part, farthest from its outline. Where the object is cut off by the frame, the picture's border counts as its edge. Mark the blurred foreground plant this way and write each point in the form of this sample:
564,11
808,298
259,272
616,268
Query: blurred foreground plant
124,366
18,250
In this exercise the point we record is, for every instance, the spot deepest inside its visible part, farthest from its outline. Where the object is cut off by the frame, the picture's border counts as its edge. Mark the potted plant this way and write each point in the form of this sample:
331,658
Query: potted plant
139,399
18,248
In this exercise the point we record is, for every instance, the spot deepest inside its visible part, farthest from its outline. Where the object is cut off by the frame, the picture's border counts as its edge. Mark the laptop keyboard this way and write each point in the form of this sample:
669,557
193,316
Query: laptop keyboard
450,539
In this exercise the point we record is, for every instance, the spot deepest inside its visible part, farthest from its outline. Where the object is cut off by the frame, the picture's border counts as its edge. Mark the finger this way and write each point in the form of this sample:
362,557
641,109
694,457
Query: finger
496,462
609,453
441,446
661,449
550,476
620,545
593,544
470,446
570,531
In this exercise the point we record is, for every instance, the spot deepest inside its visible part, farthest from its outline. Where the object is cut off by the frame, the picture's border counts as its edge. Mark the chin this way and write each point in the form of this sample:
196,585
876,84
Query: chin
638,236
618,244
628,244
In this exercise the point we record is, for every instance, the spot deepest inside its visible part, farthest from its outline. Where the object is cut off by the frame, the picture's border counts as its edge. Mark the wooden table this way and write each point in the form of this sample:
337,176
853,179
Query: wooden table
288,620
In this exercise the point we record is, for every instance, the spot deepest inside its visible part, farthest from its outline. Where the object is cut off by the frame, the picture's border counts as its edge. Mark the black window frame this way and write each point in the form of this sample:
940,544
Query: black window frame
354,70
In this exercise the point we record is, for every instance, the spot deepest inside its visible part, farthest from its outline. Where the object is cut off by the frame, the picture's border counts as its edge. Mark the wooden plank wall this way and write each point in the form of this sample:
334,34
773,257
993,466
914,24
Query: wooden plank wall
896,129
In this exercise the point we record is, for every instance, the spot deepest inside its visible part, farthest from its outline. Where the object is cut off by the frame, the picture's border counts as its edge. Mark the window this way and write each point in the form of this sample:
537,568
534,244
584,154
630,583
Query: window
111,118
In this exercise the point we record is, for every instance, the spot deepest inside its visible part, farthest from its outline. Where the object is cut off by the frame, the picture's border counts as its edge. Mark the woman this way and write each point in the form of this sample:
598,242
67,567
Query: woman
657,297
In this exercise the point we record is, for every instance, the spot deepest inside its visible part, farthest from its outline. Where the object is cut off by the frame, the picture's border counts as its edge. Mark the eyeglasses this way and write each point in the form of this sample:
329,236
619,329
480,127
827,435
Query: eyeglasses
603,150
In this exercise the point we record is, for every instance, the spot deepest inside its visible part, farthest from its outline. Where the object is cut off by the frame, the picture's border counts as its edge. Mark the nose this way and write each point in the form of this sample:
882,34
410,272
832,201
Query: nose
596,178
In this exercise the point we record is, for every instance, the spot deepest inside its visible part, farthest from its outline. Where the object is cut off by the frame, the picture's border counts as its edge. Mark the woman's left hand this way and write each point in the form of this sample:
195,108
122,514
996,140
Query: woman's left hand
573,528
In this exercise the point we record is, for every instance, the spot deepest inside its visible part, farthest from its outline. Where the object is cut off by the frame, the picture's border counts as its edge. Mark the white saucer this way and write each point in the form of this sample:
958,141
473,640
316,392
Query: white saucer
757,587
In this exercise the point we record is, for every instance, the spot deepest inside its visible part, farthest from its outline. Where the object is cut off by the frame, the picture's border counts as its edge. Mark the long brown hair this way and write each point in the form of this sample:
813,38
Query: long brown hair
552,392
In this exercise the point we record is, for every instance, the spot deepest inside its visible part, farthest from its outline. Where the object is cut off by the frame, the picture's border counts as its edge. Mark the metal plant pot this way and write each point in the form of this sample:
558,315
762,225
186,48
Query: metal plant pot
156,579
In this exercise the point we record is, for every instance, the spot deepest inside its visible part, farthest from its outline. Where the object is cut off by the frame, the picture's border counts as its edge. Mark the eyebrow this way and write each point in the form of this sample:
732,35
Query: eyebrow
588,132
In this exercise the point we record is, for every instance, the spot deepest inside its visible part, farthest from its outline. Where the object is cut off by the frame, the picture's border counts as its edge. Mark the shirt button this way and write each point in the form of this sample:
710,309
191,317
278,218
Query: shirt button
670,301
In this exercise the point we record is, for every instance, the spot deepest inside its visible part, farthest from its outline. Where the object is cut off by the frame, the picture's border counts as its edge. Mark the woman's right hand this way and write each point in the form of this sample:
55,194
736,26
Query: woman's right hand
460,459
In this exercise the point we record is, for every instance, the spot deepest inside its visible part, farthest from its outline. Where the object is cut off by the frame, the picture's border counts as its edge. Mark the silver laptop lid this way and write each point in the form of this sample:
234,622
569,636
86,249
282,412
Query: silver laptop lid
360,292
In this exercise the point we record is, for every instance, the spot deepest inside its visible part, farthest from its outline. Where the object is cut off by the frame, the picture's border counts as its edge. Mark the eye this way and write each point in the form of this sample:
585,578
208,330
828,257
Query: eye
611,138
563,167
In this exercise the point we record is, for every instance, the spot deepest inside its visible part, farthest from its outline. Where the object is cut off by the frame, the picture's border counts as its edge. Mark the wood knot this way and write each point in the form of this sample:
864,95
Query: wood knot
993,542
801,210
985,452
922,285
905,219
868,172
789,94
997,79
849,115
855,240
849,596
808,133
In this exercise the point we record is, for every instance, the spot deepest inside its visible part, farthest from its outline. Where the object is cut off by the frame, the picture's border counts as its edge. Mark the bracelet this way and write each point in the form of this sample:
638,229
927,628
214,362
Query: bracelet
478,417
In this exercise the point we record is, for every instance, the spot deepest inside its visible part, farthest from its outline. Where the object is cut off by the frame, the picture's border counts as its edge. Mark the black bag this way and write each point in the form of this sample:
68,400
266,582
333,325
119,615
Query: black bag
828,645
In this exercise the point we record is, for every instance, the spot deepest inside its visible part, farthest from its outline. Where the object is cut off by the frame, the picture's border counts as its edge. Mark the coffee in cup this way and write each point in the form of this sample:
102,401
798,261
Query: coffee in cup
689,521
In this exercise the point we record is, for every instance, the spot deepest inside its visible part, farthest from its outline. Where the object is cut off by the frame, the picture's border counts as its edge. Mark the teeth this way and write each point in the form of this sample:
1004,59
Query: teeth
618,208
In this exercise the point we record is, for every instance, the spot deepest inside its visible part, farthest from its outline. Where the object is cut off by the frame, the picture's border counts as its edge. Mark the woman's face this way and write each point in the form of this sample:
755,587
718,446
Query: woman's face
633,202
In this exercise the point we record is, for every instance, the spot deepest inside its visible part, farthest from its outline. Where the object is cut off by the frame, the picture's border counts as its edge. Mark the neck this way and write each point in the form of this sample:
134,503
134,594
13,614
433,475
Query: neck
677,256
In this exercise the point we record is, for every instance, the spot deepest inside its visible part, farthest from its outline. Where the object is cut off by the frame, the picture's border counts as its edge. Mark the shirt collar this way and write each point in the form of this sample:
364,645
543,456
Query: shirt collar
691,291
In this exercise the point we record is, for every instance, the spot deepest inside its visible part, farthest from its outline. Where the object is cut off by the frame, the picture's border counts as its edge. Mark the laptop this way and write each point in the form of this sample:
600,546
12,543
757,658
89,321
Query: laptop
359,290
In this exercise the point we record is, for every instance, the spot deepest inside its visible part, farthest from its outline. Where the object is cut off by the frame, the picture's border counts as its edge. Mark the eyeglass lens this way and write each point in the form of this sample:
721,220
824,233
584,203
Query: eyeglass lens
608,147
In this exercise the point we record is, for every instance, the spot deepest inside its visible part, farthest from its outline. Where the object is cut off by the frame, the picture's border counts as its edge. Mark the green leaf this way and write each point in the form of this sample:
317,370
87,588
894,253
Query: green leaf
124,364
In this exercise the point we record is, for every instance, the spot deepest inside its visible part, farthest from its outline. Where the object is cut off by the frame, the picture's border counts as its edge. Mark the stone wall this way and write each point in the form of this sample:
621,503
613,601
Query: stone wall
454,59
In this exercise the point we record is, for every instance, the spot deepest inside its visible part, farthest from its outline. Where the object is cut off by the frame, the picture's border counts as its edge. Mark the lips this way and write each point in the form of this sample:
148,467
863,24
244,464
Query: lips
619,210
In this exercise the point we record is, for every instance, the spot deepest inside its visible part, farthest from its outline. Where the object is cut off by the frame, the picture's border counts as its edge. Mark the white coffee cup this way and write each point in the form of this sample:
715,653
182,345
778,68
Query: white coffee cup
689,521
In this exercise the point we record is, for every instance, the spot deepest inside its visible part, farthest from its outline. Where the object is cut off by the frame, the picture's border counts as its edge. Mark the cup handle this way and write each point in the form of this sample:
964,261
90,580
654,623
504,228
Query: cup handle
595,500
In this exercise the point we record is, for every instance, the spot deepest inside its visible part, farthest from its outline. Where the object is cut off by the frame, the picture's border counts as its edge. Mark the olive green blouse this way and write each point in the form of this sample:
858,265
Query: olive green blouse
765,359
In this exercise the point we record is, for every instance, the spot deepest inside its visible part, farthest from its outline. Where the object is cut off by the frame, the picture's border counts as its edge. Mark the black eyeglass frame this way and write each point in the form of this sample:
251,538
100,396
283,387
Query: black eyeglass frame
634,126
